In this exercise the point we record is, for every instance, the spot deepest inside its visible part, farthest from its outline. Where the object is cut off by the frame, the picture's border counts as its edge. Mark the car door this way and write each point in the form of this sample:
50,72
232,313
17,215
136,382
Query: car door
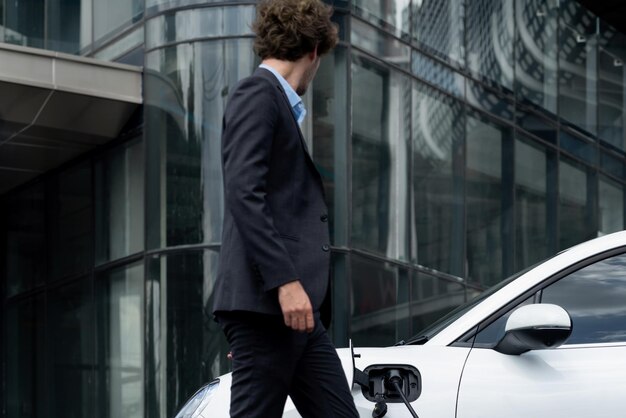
585,377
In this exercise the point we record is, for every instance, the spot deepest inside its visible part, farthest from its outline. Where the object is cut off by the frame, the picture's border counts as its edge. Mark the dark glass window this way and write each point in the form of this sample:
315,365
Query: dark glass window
490,41
432,298
25,385
374,303
391,14
120,335
577,69
25,240
25,23
576,204
70,221
185,104
536,53
488,200
611,86
438,27
381,109
119,202
69,25
595,297
437,131
185,347
611,206
535,167
71,351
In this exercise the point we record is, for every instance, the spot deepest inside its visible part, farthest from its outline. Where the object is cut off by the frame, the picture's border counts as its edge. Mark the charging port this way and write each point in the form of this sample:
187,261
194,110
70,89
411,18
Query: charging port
380,383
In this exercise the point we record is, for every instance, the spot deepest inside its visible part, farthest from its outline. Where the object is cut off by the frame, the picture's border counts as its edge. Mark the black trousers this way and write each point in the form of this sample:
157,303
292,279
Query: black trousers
271,361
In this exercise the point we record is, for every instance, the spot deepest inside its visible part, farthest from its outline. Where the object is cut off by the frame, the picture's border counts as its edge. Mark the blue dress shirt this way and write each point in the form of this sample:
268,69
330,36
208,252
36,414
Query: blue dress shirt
297,107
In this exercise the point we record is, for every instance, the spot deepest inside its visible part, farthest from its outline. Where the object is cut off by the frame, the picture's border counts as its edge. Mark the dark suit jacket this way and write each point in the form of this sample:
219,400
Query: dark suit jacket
275,217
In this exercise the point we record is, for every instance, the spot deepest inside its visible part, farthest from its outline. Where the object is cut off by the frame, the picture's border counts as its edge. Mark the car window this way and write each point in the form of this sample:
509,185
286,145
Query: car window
491,334
595,297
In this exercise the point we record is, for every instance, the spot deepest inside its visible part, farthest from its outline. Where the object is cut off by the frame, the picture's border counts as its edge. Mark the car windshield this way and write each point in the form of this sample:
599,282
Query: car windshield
432,330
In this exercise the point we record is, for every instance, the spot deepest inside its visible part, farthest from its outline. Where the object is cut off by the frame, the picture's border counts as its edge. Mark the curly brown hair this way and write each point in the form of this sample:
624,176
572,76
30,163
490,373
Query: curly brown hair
289,29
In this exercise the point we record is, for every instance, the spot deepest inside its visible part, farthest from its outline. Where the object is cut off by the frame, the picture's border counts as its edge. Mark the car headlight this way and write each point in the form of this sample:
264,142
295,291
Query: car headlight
199,402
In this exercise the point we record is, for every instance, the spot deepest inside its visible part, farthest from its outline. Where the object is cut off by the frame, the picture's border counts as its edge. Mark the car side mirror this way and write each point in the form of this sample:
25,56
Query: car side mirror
535,327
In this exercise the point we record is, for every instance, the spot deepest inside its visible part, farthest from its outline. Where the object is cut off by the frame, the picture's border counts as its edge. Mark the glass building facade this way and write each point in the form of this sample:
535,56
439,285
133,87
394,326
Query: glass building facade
459,141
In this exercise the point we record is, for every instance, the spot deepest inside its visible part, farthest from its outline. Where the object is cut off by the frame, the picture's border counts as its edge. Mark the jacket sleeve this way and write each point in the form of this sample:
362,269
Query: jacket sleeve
249,122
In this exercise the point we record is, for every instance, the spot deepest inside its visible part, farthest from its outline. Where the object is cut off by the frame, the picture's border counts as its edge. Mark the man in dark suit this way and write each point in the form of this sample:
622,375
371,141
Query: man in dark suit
274,261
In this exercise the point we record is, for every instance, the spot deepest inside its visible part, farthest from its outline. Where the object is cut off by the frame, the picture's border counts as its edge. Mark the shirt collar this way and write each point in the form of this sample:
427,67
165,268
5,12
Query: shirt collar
297,107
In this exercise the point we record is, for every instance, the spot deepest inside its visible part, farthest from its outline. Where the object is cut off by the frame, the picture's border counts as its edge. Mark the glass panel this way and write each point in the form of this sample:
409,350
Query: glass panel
611,86
437,74
489,100
25,23
185,347
329,138
577,65
1,34
611,216
25,240
485,201
340,282
536,125
71,351
170,4
575,213
122,46
200,23
579,147
432,298
186,88
119,202
612,163
536,53
70,222
380,44
439,28
390,14
438,133
594,298
490,32
532,231
69,25
380,134
25,385
374,303
120,336
112,15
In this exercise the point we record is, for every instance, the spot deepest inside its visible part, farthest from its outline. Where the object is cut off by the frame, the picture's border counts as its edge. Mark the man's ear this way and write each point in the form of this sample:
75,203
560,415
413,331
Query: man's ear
313,54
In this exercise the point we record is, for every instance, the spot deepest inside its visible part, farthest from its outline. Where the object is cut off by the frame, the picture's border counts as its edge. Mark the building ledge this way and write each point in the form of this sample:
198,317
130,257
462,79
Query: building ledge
55,106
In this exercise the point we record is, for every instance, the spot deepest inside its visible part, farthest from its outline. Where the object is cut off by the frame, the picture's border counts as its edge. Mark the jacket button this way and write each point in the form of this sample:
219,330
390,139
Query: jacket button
324,218
325,247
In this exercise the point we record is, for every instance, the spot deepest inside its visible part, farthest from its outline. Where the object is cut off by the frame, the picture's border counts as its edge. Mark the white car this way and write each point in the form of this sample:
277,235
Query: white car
547,342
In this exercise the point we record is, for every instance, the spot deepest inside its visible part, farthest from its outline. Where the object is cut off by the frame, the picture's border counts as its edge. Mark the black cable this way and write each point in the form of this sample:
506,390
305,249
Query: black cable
396,385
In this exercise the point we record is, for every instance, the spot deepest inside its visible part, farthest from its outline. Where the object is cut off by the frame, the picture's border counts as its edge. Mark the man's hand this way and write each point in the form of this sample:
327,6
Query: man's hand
296,306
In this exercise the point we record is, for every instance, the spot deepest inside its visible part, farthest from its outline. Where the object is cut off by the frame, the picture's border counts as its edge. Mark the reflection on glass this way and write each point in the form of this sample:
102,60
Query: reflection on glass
25,240
185,347
26,388
536,125
112,15
581,147
25,23
611,86
432,298
119,202
594,297
71,351
536,53
70,222
374,296
437,126
575,224
489,37
577,65
391,14
381,109
186,88
611,206
532,231
484,201
489,100
437,74
612,163
439,28
120,335
380,44
191,24
69,25
329,121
